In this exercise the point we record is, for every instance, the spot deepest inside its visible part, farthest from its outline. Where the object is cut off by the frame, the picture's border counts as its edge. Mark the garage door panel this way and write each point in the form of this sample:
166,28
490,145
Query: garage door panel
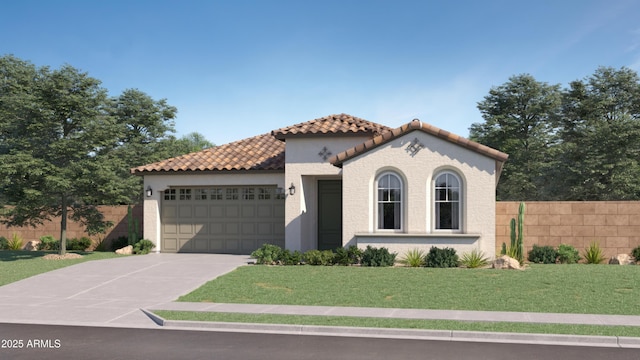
170,244
248,211
185,211
216,228
201,245
248,229
265,211
201,211
216,211
232,211
169,229
185,229
265,228
278,211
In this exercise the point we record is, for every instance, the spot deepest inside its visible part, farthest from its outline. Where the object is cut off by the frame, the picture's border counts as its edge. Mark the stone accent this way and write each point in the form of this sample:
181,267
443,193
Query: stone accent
127,250
32,245
506,262
622,259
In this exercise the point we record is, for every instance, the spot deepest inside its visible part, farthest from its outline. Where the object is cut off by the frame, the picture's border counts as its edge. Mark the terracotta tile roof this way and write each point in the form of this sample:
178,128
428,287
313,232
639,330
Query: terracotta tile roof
416,124
332,124
262,152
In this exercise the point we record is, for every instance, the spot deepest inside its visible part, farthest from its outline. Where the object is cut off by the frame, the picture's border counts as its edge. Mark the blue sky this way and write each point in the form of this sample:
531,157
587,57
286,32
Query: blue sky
238,68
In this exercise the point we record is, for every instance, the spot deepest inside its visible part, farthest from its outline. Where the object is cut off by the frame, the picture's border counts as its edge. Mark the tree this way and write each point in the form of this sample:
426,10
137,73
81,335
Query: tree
519,120
189,143
65,148
600,129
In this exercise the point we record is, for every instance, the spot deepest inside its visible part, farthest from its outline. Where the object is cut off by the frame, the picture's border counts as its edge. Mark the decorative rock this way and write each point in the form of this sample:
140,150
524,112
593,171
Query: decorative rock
32,245
506,262
127,250
621,259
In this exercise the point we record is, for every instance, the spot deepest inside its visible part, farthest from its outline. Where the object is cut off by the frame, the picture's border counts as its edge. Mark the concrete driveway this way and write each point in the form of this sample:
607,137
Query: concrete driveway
110,292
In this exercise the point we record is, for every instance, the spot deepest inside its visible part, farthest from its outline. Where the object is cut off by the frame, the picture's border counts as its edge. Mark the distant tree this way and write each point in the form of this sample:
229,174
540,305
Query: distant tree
600,129
189,143
519,120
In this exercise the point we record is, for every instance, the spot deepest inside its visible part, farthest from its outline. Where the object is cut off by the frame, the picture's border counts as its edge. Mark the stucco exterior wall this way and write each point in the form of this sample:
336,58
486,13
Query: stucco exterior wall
159,183
417,172
304,167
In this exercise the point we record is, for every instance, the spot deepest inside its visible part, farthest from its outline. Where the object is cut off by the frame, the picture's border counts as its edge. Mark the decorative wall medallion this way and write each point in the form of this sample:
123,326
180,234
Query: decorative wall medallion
324,153
413,147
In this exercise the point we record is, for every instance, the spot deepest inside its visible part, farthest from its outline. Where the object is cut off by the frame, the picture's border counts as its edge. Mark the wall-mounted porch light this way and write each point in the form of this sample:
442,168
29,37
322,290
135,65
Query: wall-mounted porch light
149,191
292,189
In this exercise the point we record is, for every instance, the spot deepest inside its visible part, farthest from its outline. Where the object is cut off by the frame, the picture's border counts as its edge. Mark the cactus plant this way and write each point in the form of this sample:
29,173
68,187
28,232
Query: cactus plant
132,227
516,248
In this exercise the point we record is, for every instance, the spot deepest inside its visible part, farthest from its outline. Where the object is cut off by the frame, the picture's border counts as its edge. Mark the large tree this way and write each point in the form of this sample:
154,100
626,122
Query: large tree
65,146
519,120
600,129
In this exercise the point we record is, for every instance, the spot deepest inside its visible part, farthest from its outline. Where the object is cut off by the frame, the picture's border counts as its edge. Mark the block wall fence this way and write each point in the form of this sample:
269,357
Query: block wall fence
615,225
115,214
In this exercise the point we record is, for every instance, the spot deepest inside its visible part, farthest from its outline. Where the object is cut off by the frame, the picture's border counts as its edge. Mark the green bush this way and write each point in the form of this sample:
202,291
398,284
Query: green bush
347,256
48,243
267,254
81,244
593,254
636,253
542,255
474,259
413,258
317,257
377,257
4,243
567,254
441,258
15,243
119,243
290,258
143,246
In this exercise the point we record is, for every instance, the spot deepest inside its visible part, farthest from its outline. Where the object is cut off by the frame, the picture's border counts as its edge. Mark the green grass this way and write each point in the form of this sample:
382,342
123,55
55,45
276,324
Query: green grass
583,289
628,331
18,265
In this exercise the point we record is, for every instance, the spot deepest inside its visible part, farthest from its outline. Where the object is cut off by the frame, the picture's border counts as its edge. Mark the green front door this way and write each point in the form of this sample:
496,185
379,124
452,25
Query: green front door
329,214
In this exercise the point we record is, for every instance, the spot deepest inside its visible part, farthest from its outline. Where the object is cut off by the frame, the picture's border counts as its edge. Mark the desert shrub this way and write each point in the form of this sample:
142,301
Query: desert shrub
4,243
413,258
567,254
318,257
100,245
542,255
377,257
119,243
474,259
347,256
15,243
636,253
593,254
143,246
290,258
48,242
81,244
441,258
267,254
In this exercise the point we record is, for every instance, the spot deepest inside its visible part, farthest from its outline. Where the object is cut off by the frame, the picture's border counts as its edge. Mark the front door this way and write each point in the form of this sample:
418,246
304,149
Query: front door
329,214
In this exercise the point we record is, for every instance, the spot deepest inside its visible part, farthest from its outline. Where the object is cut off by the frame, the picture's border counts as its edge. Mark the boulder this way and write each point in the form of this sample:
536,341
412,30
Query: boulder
622,259
506,262
127,250
32,245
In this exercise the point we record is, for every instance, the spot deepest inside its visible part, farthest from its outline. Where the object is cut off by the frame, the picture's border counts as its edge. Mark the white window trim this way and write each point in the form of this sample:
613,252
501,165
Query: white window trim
461,204
377,207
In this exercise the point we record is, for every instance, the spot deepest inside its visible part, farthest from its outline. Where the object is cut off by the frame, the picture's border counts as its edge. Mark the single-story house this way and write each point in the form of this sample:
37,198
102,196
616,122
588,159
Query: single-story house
333,181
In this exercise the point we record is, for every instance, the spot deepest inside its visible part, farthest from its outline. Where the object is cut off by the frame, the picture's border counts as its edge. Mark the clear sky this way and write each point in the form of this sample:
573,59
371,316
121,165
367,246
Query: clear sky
238,68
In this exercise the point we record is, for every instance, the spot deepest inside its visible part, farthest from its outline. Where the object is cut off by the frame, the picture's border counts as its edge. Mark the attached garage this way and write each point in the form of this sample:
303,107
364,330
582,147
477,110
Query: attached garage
221,219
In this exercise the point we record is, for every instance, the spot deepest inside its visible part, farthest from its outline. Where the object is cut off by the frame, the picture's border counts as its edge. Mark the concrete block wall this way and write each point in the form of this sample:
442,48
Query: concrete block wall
115,214
615,225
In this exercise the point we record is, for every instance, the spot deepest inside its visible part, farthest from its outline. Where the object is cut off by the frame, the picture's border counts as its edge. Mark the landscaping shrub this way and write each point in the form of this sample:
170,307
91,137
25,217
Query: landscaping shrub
441,258
542,255
290,258
267,254
15,243
593,254
4,243
413,258
567,254
636,253
81,244
377,257
143,247
119,243
101,245
48,243
347,256
474,259
317,257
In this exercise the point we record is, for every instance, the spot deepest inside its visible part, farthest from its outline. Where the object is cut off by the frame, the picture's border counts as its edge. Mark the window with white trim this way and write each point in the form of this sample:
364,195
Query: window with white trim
447,201
389,200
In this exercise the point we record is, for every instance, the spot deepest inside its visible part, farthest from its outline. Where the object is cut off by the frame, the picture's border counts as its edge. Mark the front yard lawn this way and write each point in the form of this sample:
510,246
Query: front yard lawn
18,265
583,289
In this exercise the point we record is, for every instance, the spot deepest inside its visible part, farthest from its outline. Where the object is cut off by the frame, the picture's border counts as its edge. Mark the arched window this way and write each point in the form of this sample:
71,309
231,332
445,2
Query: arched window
447,197
389,201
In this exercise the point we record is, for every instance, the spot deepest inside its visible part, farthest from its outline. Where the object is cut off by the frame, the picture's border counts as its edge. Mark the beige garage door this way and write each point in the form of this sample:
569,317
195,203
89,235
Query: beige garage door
228,220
